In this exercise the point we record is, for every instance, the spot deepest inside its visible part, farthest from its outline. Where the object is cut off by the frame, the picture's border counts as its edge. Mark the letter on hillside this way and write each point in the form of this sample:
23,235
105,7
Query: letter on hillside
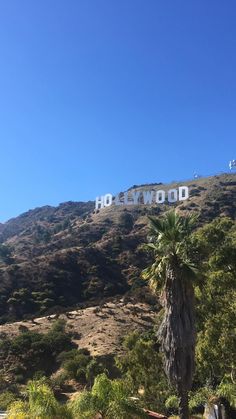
117,200
135,197
172,195
160,197
107,200
99,202
183,193
147,197
126,198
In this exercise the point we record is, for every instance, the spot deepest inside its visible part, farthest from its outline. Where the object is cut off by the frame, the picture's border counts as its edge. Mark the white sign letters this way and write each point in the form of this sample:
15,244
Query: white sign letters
146,197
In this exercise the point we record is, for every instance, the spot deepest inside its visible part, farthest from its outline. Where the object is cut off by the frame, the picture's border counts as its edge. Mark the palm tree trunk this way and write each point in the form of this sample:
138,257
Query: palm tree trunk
177,334
183,406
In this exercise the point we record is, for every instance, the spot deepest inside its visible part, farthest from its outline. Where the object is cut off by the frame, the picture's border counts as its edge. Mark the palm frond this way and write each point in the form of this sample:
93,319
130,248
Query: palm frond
169,239
156,225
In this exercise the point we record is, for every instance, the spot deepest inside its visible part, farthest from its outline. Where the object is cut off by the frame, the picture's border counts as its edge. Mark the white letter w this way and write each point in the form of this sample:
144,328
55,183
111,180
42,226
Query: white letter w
147,197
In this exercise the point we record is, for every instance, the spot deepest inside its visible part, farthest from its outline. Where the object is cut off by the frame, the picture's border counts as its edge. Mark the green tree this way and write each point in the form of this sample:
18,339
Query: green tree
141,364
173,271
216,302
209,396
214,247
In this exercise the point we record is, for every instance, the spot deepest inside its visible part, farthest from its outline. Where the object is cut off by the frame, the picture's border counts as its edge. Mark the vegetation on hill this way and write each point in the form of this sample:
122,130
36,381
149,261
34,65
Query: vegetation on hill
97,256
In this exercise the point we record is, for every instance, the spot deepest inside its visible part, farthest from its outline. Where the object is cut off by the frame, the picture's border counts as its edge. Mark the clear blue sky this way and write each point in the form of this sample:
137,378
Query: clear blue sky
98,95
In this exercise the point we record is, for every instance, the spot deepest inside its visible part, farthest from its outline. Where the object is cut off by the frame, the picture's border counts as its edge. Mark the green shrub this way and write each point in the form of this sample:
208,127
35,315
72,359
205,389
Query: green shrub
6,398
30,352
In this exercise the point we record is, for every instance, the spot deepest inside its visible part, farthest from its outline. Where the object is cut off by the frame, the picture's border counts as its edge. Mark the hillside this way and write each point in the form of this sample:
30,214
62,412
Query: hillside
100,329
56,259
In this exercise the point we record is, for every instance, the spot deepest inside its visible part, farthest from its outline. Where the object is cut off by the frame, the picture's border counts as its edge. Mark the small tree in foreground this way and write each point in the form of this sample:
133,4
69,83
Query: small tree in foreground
41,404
108,397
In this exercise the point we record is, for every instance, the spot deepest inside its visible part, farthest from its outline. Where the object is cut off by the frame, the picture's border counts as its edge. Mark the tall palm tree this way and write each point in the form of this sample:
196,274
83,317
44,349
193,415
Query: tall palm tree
172,271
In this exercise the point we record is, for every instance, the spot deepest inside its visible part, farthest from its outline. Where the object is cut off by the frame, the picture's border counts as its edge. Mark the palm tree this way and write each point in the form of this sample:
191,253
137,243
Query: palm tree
172,271
108,398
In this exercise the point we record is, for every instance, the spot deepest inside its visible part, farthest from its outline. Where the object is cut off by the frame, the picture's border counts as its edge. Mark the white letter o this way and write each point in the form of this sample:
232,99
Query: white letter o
160,197
172,195
107,200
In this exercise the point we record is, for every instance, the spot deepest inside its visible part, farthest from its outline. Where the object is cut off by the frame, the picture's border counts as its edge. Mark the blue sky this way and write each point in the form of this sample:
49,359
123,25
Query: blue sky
96,96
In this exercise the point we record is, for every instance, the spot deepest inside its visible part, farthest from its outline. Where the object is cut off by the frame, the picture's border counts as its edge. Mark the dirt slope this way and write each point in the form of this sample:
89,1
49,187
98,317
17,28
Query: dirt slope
100,329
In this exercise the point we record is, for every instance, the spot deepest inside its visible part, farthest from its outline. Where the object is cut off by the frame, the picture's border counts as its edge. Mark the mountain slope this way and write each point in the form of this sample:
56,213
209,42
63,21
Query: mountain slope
100,329
57,258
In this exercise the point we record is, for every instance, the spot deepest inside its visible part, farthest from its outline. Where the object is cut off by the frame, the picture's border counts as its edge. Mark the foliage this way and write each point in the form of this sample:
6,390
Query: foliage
126,221
80,365
172,403
30,352
19,410
216,296
75,365
111,398
209,395
169,238
227,390
6,254
141,364
6,398
41,404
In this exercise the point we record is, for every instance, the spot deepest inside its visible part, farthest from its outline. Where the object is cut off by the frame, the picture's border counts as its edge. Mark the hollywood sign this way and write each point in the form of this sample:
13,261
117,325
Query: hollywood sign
143,197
